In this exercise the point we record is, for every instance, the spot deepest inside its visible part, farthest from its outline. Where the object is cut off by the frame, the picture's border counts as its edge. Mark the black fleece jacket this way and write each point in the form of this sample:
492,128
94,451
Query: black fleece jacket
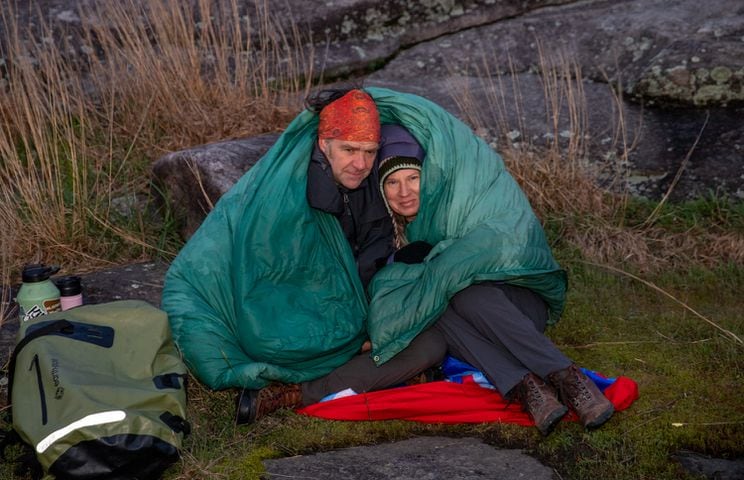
361,213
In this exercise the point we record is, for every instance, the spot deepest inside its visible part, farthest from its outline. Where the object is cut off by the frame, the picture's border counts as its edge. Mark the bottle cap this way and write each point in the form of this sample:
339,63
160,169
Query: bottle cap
38,272
69,286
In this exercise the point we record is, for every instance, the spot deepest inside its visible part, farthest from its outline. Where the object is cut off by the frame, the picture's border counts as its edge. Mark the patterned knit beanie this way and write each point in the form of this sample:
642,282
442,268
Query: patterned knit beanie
399,150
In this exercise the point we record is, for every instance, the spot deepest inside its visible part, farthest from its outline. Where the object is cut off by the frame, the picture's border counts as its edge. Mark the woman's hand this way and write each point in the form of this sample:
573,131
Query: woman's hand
366,346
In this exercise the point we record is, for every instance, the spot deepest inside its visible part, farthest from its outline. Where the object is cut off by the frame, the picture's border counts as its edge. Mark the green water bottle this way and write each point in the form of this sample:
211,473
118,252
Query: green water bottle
38,295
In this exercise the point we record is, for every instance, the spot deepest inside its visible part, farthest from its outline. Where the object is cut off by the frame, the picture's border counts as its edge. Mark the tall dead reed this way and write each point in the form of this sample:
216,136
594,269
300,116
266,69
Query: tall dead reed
83,113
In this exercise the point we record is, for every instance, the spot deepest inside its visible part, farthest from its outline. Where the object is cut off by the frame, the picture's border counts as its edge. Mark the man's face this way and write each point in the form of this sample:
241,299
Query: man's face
350,161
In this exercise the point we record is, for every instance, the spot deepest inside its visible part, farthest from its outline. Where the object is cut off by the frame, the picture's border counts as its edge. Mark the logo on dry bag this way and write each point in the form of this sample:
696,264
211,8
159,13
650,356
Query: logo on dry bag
60,390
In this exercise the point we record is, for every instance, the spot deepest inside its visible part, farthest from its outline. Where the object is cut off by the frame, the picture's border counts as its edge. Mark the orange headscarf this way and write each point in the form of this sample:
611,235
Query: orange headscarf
353,117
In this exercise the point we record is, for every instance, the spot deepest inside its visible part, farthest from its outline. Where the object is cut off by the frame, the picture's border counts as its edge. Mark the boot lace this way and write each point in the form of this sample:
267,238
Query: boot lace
531,393
576,389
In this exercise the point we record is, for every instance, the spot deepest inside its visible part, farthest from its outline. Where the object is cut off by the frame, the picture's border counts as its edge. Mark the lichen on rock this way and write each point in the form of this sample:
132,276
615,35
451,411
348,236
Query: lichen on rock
700,87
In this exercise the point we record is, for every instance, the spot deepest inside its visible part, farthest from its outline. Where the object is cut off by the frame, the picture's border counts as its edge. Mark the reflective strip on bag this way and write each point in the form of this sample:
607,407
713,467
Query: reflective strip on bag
88,421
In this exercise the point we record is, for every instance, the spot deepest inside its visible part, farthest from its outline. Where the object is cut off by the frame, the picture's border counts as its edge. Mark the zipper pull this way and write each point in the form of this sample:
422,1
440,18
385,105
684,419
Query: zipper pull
347,208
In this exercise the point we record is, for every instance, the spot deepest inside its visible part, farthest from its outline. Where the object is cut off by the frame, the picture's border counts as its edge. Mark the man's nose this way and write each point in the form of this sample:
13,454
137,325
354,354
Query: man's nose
359,161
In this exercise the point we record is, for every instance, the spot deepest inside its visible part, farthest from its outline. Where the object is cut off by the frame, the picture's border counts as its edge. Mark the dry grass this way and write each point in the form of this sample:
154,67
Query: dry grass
81,120
201,74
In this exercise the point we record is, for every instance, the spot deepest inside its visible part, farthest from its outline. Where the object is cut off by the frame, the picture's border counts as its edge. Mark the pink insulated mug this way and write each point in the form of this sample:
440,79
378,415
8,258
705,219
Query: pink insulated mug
71,292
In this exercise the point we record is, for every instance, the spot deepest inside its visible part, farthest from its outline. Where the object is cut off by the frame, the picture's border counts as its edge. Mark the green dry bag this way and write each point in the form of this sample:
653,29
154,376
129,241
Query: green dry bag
99,392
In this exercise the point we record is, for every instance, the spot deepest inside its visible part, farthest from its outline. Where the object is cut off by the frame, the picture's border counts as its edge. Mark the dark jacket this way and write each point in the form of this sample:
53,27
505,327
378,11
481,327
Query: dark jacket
361,213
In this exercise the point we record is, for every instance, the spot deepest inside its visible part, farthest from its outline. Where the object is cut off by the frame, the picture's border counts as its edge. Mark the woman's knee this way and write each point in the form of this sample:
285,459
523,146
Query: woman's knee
529,303
471,300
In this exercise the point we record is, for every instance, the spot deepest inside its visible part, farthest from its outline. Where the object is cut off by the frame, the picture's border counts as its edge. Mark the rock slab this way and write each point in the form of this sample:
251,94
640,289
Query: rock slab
417,458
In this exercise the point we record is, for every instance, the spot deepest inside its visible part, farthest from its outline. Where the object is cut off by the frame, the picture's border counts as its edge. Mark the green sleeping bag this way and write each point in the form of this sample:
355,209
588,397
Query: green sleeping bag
267,288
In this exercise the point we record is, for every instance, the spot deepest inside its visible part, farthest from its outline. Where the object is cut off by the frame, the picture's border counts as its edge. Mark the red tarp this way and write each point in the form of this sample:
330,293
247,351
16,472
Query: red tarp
447,402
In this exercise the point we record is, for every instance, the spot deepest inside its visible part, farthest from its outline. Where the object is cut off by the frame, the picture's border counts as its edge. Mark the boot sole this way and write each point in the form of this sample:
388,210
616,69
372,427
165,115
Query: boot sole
552,421
246,407
602,418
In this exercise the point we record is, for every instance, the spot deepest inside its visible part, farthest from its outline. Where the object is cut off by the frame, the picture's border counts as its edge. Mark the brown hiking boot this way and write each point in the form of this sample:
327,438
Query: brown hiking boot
254,404
579,392
432,374
416,380
541,402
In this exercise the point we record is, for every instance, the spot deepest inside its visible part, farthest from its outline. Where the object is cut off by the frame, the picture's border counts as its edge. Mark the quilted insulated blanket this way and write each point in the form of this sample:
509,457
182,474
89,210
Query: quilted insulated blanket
267,288
465,400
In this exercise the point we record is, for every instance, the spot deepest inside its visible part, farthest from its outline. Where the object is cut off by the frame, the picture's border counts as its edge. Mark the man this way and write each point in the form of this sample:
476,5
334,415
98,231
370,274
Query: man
338,178
339,182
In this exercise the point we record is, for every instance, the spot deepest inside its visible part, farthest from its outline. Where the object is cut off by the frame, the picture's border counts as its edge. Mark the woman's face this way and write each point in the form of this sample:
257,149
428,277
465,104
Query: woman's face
402,192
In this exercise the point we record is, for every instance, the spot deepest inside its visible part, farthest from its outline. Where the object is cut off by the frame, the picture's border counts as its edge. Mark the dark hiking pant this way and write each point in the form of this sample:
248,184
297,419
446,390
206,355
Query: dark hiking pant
362,375
498,329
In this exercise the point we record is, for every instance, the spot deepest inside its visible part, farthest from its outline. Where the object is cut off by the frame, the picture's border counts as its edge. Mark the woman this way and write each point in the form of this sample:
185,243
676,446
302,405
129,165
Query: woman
494,326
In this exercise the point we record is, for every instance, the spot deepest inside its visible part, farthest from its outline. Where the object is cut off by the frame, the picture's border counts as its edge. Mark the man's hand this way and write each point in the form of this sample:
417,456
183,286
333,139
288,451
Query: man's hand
366,346
414,252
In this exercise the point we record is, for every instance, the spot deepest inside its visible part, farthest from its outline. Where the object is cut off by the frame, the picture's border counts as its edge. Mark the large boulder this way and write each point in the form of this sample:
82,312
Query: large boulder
656,74
355,36
346,36
191,181
672,53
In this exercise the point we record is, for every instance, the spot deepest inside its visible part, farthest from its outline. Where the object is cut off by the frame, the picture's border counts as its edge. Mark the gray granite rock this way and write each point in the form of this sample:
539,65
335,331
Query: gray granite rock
350,36
645,46
669,51
414,459
192,180
344,36
674,66
709,467
661,51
